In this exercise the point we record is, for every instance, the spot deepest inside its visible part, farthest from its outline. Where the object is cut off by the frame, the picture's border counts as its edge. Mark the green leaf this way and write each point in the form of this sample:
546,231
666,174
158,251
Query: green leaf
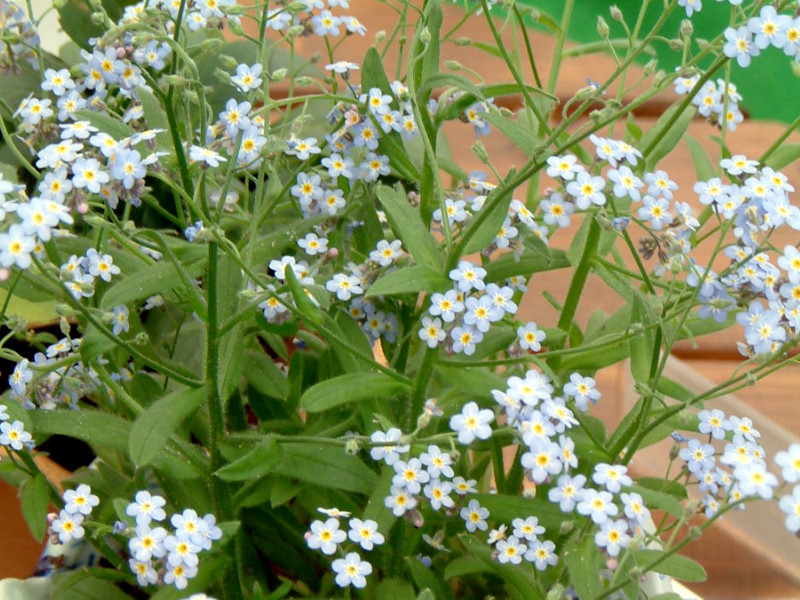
153,427
417,278
395,589
654,499
518,580
673,389
507,266
229,284
261,460
656,142
264,375
408,227
464,565
351,387
113,127
581,557
14,87
34,505
506,507
679,567
155,117
641,345
702,165
87,585
474,380
517,133
373,73
482,233
158,278
441,80
425,579
304,304
93,427
327,466
783,156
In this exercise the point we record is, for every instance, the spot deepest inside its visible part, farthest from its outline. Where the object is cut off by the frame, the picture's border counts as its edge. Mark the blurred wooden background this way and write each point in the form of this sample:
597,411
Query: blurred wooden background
736,571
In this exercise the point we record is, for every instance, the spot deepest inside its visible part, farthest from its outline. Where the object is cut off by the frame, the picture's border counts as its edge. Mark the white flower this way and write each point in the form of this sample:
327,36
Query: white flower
80,500
146,508
344,286
14,435
399,501
68,526
510,551
475,516
386,252
472,423
325,536
530,337
351,570
390,453
431,332
365,533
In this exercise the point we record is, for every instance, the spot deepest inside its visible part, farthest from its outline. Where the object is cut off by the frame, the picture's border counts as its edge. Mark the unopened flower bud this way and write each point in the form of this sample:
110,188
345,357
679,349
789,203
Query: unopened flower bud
795,68
676,45
508,4
235,26
63,325
695,532
556,592
423,420
612,564
453,65
295,31
425,36
351,447
479,150
650,67
674,451
602,27
687,29
616,13
635,572
4,274
98,18
380,36
463,41
222,76
690,508
658,77
297,7
278,74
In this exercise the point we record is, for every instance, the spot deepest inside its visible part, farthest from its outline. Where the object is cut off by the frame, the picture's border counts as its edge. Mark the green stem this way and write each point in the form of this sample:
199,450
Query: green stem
579,278
561,39
216,417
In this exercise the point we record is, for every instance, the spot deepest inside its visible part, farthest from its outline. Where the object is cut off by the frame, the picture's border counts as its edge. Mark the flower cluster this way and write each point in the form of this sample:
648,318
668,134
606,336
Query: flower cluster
738,471
159,556
767,29
12,433
713,99
68,525
326,537
24,43
485,304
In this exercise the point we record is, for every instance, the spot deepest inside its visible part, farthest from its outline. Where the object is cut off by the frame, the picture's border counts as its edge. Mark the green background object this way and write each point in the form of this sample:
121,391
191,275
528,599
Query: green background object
771,70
